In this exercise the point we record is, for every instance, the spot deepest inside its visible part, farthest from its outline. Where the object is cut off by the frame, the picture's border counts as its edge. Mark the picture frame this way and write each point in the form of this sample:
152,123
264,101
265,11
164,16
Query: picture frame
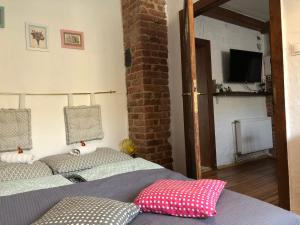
36,37
72,39
2,17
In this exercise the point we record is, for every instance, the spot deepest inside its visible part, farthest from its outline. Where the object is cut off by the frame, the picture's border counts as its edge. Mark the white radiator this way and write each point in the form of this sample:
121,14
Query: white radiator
253,135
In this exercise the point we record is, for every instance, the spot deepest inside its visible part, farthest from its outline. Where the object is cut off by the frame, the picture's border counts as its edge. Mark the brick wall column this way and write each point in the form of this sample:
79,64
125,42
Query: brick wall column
145,36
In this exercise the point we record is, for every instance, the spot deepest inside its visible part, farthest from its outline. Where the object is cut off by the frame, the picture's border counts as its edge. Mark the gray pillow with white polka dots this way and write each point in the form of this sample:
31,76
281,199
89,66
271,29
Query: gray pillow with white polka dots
89,211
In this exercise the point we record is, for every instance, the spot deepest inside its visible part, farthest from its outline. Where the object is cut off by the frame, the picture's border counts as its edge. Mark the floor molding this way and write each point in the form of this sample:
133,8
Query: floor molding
244,162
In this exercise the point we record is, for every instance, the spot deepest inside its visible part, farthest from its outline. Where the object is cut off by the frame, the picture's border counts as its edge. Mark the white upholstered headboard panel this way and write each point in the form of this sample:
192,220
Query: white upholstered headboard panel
15,129
83,123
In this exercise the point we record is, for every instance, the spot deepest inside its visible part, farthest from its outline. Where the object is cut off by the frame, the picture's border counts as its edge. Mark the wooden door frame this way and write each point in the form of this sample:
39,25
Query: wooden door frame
188,53
279,103
210,93
278,89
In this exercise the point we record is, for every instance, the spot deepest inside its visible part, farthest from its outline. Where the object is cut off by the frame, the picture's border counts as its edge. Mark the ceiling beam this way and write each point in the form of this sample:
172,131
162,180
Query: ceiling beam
237,19
203,6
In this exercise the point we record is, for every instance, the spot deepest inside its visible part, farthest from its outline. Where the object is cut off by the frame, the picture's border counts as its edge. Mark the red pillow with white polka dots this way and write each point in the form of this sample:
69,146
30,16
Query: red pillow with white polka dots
197,199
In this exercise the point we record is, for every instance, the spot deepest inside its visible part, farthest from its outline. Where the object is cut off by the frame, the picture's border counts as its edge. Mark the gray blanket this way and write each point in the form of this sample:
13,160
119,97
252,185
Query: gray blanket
233,208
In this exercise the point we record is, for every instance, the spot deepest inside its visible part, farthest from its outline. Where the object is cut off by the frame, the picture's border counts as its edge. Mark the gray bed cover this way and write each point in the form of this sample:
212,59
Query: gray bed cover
233,208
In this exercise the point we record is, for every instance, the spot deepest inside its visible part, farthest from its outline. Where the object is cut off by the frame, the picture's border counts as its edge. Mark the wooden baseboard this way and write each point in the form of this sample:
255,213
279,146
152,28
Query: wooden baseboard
243,162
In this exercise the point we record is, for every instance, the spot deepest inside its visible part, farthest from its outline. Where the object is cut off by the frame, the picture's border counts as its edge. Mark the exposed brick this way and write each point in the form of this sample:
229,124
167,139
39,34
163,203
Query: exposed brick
147,79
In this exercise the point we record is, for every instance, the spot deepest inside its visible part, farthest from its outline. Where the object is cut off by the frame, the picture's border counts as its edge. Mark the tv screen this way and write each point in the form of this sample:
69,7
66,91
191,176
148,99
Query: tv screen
245,66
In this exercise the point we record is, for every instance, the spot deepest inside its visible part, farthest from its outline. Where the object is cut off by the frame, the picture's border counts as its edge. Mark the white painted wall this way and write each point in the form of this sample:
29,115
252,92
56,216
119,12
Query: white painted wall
99,67
224,36
291,35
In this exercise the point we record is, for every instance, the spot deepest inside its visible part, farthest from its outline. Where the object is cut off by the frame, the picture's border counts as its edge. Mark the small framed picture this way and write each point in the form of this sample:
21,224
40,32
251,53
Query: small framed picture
2,17
72,39
36,37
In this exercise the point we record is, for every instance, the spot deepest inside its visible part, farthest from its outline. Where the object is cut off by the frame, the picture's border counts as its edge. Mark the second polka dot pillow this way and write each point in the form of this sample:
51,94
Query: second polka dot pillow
197,199
89,211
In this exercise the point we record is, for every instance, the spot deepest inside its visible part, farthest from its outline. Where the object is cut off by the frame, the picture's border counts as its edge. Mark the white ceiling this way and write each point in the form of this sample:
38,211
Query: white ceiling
258,9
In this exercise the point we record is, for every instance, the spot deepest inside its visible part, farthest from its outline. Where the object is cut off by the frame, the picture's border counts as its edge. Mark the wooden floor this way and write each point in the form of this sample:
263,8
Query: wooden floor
256,179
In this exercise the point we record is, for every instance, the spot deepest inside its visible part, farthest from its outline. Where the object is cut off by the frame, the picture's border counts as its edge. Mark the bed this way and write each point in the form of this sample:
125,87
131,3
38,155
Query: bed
108,181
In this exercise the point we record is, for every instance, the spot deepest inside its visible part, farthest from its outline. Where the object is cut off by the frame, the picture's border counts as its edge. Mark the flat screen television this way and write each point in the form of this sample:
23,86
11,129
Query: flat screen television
245,67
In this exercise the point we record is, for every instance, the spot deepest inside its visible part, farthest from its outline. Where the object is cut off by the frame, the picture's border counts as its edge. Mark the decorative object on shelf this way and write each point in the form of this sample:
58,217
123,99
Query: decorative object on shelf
261,87
248,88
36,37
2,17
220,88
127,146
242,94
72,39
228,89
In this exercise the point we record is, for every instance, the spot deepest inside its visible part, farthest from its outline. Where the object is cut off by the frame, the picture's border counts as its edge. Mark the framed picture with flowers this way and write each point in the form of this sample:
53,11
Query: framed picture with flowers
72,39
36,37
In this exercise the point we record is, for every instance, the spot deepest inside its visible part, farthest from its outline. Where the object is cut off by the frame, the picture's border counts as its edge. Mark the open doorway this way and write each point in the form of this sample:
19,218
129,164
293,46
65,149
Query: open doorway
251,28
